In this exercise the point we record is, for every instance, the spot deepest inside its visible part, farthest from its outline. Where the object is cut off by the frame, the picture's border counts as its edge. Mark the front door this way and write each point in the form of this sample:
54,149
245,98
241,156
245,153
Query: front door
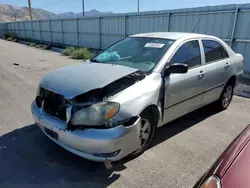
184,92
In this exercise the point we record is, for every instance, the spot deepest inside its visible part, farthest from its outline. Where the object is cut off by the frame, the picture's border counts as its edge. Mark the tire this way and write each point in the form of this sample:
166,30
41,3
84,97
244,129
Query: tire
146,117
225,97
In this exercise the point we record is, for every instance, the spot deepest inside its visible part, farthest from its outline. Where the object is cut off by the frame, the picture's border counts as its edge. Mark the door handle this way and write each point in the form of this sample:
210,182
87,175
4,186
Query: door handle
227,65
201,74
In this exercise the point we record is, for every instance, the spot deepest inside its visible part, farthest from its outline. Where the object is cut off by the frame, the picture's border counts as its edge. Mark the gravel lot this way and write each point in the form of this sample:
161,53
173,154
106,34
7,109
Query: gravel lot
181,152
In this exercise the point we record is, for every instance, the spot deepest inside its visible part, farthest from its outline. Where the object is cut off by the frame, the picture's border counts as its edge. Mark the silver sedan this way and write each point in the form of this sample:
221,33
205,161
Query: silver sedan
110,106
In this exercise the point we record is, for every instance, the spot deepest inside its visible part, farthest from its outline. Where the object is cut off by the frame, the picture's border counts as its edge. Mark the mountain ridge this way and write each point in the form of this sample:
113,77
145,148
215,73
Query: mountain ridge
10,13
92,12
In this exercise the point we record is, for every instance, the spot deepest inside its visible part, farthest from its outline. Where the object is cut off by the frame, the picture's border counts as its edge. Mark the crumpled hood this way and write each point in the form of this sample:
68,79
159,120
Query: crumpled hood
80,78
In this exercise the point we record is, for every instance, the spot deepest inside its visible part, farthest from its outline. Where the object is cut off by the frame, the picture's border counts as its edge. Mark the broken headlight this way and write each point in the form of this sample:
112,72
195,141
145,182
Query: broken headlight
96,114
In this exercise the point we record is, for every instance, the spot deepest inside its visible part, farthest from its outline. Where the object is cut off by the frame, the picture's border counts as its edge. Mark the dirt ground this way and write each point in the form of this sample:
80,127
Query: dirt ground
181,151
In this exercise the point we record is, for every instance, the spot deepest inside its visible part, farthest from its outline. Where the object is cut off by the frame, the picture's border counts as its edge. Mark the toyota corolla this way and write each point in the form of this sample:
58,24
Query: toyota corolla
110,106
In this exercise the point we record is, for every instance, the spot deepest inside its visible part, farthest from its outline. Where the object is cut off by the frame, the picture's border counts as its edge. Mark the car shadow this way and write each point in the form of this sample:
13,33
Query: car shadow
181,124
29,159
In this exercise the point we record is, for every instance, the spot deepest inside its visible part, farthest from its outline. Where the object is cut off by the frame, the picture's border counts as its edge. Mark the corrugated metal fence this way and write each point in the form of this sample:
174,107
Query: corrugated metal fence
3,29
229,22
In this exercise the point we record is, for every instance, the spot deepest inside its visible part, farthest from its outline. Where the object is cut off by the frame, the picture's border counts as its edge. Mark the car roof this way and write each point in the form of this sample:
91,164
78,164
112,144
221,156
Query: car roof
171,35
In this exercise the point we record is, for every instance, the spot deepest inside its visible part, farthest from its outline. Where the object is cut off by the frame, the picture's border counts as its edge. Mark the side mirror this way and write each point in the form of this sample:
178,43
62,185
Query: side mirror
176,68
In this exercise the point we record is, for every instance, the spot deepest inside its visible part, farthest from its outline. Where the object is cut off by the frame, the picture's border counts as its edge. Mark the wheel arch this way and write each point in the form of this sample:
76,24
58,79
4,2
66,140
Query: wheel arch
154,109
232,80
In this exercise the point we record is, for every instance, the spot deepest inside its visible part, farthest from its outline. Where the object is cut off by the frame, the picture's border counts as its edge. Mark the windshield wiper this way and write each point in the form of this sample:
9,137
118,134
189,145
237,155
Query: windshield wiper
94,60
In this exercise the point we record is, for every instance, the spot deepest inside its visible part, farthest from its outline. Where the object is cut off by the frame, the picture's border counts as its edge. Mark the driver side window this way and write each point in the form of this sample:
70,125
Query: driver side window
189,53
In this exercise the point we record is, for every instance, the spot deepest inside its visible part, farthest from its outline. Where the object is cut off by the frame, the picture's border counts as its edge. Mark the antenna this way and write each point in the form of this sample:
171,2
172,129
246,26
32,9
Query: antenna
196,24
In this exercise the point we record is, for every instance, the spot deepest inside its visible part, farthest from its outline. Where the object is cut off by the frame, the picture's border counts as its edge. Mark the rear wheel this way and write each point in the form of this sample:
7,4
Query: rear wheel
147,131
226,96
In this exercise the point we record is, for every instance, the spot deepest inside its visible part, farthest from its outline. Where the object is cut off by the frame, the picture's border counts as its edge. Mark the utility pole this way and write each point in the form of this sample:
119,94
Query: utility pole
82,7
30,9
138,5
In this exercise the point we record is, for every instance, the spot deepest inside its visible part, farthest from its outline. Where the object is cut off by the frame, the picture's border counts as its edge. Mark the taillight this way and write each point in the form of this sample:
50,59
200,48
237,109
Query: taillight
243,60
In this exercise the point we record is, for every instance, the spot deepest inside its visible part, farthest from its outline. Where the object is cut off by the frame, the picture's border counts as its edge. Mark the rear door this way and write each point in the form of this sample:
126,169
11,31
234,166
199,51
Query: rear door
184,92
217,65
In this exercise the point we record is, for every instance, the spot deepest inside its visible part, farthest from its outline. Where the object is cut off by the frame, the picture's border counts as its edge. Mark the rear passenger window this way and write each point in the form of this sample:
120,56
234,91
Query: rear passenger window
213,51
189,53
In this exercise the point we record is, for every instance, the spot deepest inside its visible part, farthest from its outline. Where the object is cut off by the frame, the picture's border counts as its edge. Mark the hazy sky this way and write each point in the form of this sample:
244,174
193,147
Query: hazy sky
60,6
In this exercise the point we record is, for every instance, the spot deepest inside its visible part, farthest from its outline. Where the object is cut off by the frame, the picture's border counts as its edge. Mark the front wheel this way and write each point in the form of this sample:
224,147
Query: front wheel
226,97
147,131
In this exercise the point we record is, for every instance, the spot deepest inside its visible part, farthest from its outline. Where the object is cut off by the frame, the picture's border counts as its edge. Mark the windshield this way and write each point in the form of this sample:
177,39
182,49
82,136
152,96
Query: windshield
136,52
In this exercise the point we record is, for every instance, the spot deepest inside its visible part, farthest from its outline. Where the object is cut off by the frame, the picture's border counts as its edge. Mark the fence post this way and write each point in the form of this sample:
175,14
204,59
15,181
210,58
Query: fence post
125,26
100,33
19,30
77,41
61,31
24,31
50,34
168,25
11,29
7,28
32,30
40,31
15,30
234,24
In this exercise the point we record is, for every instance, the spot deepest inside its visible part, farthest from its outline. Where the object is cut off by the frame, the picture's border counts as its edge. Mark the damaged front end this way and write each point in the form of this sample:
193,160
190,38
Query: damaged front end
91,109
102,124
102,145
83,125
